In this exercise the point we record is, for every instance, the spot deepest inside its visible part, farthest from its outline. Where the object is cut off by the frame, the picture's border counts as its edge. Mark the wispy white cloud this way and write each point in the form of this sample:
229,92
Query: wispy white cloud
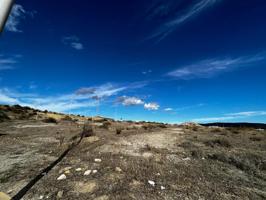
177,18
190,107
231,116
146,72
82,98
8,62
247,114
151,106
102,91
32,86
73,41
18,13
5,99
58,103
210,67
130,101
168,109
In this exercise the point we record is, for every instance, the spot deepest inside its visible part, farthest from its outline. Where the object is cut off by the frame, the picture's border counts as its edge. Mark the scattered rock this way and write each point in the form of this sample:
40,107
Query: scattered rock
67,172
41,197
59,195
98,160
152,183
61,177
9,191
87,172
162,188
78,169
118,169
94,171
186,159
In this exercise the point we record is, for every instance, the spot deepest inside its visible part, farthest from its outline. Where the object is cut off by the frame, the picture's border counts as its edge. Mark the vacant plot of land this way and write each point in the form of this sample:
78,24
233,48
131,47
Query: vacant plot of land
138,163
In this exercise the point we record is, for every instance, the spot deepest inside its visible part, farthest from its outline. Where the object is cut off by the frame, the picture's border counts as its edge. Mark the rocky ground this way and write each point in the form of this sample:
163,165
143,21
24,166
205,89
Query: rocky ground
143,161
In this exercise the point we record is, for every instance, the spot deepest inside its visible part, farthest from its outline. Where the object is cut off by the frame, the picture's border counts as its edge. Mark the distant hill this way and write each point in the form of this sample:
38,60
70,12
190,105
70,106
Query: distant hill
17,112
238,125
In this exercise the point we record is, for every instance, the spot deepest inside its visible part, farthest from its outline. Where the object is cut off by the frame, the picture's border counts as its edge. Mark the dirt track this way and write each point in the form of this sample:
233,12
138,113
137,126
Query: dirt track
183,163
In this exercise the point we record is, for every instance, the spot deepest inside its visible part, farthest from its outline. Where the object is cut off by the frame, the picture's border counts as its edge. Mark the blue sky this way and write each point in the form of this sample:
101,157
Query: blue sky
157,60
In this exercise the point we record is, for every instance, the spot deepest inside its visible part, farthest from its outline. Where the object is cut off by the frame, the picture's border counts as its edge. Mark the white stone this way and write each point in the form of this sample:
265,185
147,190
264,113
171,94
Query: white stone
9,191
41,197
162,188
94,171
118,169
98,160
87,172
151,183
78,169
61,177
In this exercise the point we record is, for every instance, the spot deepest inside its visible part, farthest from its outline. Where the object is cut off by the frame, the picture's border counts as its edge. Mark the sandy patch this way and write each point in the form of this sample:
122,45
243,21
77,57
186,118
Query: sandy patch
85,187
132,145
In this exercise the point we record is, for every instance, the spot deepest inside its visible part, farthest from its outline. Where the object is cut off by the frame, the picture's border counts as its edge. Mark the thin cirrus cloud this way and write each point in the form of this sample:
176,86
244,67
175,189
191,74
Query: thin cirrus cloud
231,116
84,98
100,92
170,26
211,67
58,103
17,15
8,62
73,41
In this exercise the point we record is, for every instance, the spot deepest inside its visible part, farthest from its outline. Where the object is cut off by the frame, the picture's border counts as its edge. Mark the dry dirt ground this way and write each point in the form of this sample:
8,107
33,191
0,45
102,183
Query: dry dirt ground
162,163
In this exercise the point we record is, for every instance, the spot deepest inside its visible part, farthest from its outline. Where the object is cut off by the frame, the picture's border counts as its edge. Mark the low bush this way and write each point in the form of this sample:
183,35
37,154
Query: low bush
67,118
3,116
246,162
106,125
162,126
197,153
50,120
218,142
118,131
87,130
